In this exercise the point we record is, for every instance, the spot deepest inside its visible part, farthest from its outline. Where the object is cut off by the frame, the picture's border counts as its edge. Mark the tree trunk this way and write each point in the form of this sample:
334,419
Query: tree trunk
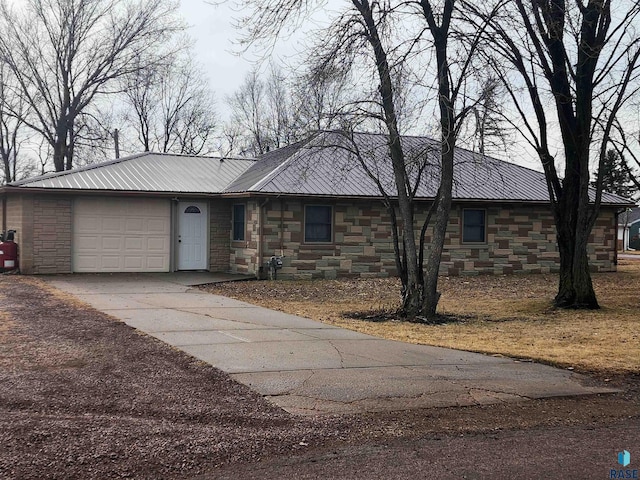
431,296
70,148
8,178
574,219
59,145
59,154
412,299
412,292
575,289
399,255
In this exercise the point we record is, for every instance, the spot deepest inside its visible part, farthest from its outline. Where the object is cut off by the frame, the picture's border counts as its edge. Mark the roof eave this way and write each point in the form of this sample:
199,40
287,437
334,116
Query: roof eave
92,192
372,197
248,194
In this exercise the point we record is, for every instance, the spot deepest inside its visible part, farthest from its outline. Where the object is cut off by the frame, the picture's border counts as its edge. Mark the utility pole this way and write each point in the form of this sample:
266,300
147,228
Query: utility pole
116,141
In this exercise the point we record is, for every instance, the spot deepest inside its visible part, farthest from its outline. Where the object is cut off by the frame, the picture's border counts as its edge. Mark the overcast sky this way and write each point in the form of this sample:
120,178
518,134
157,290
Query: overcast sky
211,28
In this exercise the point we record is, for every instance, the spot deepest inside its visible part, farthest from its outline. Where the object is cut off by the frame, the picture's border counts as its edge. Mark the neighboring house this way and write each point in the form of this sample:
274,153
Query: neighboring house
629,229
310,202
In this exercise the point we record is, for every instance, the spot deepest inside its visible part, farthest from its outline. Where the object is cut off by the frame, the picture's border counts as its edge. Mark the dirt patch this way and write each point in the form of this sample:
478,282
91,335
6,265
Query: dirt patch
87,395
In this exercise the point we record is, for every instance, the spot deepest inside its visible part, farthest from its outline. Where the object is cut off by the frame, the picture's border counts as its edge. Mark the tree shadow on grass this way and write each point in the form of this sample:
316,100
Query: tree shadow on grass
390,315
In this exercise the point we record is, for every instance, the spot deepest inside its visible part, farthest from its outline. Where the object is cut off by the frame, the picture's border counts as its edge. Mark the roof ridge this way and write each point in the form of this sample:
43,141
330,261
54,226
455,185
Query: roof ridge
193,155
272,174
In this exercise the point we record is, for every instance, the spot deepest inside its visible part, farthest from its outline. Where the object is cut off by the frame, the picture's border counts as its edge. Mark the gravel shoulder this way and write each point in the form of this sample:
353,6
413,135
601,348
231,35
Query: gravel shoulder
86,396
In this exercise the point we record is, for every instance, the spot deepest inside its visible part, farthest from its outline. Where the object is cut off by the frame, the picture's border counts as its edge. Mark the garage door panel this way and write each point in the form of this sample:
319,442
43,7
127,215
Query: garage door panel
156,245
136,225
86,242
154,263
134,244
134,263
91,224
111,263
111,244
87,263
112,224
157,225
117,234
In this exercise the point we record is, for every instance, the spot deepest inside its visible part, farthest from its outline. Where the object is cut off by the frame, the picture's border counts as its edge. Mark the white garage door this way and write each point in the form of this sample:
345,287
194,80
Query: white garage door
121,234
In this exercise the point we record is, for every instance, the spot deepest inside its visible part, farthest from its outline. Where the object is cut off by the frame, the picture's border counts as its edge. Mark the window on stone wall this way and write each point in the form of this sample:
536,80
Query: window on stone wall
238,222
318,224
474,225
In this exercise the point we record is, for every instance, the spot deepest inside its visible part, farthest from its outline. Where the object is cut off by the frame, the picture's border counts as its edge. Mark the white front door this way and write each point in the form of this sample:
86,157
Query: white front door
192,235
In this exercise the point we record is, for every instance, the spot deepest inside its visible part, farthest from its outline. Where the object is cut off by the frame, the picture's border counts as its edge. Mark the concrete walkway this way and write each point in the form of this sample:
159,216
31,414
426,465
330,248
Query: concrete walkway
307,367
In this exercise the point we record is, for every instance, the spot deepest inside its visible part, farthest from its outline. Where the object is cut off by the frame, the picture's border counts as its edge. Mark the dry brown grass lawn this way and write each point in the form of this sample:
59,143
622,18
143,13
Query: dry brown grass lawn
506,315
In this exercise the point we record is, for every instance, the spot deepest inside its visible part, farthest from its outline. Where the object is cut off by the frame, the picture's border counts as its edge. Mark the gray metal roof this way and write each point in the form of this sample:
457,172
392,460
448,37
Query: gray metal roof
148,172
261,169
327,164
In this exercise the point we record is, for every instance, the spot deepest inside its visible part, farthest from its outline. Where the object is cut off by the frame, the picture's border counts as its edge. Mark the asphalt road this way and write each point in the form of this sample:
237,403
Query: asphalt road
581,452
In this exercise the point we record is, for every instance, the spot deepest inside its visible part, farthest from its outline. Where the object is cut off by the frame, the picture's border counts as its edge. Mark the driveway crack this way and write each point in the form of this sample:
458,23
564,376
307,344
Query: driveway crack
339,353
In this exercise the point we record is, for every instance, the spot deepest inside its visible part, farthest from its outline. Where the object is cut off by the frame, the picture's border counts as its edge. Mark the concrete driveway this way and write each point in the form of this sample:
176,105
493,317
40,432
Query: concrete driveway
307,367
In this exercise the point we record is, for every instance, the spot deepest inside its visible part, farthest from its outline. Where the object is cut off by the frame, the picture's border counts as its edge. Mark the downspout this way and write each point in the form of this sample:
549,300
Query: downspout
260,269
173,247
615,242
282,227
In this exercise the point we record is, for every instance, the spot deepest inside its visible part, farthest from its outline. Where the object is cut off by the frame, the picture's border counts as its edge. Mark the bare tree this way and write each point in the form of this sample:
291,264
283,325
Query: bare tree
280,121
272,110
248,118
171,108
66,53
12,109
377,33
94,129
318,96
262,115
490,132
583,59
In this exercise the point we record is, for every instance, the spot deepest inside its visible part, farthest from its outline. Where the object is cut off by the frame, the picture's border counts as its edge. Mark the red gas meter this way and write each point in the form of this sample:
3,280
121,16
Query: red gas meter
8,252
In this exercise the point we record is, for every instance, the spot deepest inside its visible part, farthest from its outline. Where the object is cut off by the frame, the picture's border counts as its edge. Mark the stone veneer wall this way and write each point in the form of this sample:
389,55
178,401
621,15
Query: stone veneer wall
52,222
20,219
43,232
244,254
520,239
219,238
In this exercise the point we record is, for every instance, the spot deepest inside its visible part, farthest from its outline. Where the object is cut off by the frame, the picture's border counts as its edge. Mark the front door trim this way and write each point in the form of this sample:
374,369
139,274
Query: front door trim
192,238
